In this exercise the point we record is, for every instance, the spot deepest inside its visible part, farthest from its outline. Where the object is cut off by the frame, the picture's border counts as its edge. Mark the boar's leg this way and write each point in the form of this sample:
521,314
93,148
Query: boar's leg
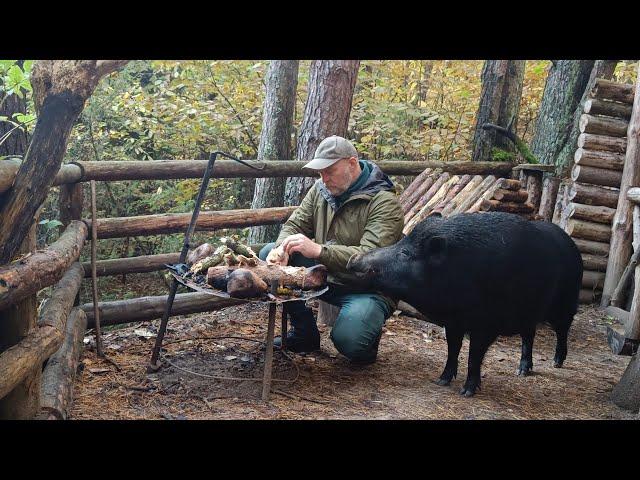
561,345
526,358
454,343
478,345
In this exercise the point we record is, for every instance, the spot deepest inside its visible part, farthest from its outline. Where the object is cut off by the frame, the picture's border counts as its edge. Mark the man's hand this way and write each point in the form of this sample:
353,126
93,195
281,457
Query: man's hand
299,243
277,256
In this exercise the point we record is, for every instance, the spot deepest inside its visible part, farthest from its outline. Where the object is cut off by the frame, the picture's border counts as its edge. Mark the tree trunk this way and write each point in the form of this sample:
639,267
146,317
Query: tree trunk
621,236
601,69
326,113
553,143
499,105
18,320
626,394
60,88
275,139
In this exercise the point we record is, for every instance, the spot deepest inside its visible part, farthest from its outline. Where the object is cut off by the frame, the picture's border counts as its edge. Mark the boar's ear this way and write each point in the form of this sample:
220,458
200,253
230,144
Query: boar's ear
437,250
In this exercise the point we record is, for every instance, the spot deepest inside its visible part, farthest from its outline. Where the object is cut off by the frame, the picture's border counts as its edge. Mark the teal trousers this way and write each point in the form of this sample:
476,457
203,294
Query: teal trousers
358,328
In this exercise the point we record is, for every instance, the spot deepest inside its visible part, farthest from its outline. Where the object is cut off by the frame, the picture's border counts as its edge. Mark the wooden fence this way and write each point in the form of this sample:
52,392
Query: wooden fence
60,324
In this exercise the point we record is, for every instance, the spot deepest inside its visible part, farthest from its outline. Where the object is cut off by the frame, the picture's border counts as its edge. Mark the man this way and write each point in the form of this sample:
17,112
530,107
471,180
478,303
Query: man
351,209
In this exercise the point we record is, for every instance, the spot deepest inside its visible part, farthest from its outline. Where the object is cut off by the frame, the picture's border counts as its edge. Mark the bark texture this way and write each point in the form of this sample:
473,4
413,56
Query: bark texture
22,278
275,139
600,69
60,372
563,91
60,88
326,113
18,320
621,236
499,104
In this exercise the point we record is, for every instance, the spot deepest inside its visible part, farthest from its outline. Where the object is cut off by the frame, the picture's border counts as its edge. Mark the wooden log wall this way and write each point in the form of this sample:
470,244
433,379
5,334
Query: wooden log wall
586,211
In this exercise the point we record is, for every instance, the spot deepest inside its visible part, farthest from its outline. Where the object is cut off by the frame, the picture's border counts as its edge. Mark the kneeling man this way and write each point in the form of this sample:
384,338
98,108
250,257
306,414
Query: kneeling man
351,209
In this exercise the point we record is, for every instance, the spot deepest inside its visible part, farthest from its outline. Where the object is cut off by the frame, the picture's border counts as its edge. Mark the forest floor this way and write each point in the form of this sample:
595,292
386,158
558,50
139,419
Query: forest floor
323,385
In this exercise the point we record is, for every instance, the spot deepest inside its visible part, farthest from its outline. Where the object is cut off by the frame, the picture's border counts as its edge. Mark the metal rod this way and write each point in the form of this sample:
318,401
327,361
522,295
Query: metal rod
153,366
94,276
268,354
183,255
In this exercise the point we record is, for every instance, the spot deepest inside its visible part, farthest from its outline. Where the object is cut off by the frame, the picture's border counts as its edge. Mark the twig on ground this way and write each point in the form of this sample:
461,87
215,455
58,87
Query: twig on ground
295,396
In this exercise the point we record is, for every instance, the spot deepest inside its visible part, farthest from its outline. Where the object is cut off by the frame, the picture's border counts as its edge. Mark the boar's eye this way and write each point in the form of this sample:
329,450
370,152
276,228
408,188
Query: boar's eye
405,253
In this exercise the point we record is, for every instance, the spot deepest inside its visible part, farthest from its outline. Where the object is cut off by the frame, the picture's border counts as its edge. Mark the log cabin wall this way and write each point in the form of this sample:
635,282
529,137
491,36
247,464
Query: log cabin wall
587,201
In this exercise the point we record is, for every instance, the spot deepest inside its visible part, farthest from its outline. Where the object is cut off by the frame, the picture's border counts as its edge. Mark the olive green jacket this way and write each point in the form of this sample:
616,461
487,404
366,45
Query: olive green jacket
370,218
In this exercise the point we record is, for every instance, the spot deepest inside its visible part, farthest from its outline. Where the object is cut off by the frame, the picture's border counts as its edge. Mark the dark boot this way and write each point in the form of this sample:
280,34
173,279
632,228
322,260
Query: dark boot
302,335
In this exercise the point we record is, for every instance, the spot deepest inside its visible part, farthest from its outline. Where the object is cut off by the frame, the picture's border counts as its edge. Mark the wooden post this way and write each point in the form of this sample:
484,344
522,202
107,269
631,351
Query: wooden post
268,354
550,187
94,279
561,200
534,187
71,201
60,372
620,245
16,322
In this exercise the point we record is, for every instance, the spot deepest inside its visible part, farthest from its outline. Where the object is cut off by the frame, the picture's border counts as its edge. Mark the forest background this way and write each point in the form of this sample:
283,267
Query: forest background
153,110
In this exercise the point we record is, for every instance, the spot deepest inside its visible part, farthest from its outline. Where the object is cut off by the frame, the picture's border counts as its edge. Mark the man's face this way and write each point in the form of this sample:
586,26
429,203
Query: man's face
339,176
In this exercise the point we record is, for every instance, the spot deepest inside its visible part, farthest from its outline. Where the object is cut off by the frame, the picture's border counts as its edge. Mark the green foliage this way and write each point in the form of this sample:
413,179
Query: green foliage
500,155
14,80
154,110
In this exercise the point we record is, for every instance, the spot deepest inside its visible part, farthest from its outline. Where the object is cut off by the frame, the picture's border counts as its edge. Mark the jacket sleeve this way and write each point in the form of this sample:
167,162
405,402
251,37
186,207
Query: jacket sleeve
301,220
383,228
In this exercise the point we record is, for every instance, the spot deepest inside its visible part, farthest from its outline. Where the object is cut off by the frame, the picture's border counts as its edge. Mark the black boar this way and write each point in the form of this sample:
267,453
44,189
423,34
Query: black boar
485,274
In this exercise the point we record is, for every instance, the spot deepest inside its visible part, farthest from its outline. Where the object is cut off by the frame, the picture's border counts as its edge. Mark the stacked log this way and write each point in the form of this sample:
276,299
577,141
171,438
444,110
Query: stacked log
505,195
450,195
586,206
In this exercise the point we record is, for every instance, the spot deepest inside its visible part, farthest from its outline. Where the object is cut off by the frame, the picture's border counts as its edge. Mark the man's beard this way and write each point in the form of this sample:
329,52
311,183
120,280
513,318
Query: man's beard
343,188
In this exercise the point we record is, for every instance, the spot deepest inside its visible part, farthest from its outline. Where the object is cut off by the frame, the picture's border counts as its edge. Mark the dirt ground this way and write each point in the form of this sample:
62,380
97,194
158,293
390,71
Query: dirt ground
323,385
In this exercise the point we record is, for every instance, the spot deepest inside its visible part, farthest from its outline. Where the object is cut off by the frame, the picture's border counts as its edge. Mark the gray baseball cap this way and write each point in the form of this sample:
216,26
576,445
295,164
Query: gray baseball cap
330,150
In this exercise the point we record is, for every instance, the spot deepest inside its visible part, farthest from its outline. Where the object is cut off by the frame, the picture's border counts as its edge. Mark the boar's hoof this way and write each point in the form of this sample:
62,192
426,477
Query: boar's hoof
470,387
558,363
443,382
525,368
